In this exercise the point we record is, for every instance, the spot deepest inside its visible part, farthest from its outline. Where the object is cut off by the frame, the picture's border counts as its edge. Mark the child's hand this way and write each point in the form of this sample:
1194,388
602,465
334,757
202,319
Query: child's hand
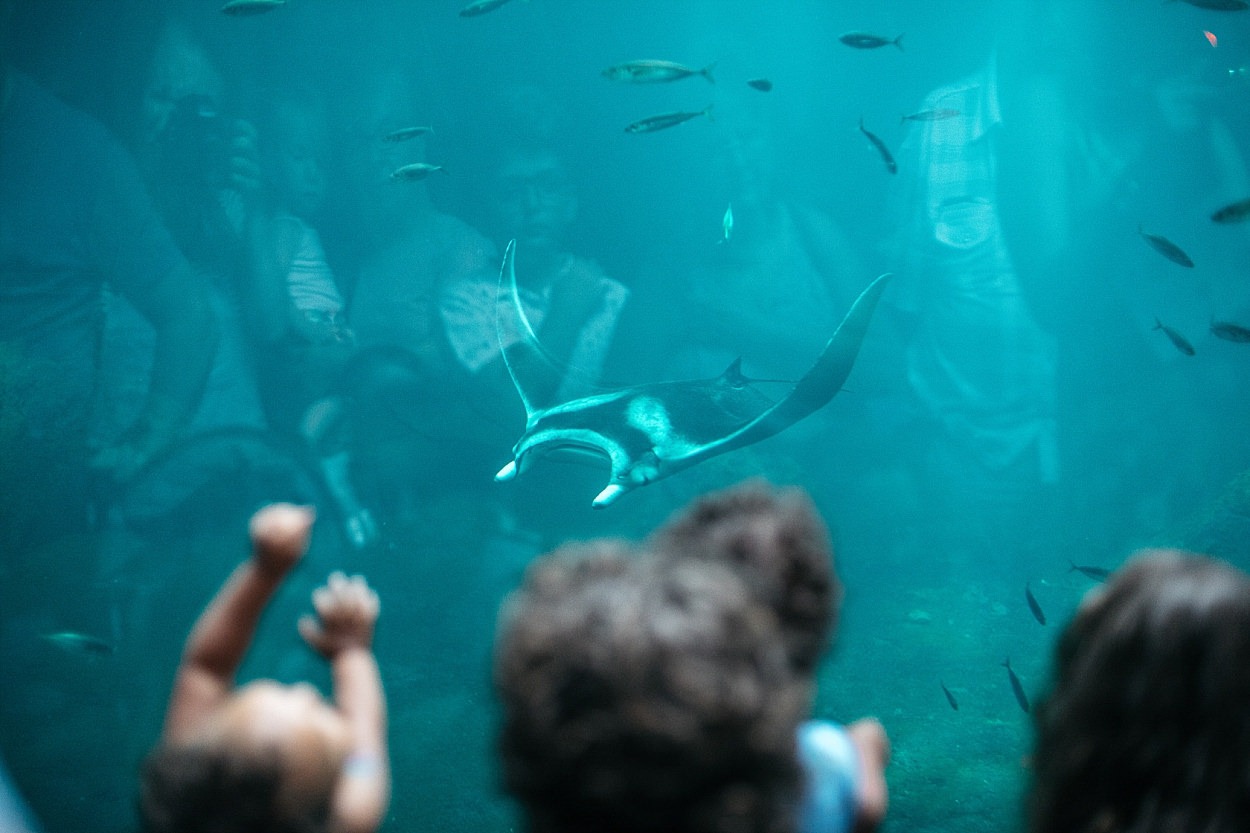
280,536
347,609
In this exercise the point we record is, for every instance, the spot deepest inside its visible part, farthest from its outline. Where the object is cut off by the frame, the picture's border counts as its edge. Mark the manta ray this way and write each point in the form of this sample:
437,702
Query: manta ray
649,432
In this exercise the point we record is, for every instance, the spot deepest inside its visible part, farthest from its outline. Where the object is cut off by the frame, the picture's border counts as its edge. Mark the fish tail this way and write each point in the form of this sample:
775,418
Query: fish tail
1006,663
706,72
1158,324
707,111
899,43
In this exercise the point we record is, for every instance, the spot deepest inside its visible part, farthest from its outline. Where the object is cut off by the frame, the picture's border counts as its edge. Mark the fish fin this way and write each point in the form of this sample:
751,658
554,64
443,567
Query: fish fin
706,72
817,387
512,306
707,111
899,43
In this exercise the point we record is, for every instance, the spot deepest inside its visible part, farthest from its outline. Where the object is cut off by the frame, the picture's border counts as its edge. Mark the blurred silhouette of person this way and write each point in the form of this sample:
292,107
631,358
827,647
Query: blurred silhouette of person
201,167
777,543
406,449
75,218
639,696
980,368
1143,726
266,755
773,288
296,311
1085,167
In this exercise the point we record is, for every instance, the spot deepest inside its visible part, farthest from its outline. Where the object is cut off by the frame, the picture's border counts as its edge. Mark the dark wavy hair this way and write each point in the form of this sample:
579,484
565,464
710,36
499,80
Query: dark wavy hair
193,789
778,543
1147,726
640,697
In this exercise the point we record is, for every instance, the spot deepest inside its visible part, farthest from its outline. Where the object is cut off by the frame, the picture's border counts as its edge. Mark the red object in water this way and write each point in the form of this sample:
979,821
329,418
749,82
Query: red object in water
1211,38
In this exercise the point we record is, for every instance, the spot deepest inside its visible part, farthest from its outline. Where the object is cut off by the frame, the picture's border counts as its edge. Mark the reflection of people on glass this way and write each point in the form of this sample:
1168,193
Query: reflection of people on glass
74,215
1088,170
773,290
980,368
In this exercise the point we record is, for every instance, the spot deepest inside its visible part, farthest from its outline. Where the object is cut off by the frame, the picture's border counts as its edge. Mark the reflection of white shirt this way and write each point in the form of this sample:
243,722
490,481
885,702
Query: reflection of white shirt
980,362
468,306
309,280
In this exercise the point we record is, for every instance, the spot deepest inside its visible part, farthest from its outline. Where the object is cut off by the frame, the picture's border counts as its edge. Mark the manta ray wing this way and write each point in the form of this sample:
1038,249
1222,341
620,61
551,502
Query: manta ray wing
817,387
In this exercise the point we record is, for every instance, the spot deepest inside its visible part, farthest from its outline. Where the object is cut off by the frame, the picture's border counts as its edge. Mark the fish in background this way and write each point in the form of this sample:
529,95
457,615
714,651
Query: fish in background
761,84
666,120
1017,688
1233,212
406,133
950,698
1229,331
863,40
939,114
79,643
481,7
1220,5
1034,607
1167,248
886,156
1178,341
415,171
651,72
243,8
1096,573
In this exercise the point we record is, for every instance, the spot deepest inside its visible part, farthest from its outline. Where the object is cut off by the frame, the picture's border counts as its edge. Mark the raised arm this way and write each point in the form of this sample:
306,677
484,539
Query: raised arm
224,631
342,632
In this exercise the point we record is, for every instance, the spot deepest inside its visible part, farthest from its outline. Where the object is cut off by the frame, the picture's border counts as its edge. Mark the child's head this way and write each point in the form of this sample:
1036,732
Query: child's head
294,138
642,695
776,541
267,759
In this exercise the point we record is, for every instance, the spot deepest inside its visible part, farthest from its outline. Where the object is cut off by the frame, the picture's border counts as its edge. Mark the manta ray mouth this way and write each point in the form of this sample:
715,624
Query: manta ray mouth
561,450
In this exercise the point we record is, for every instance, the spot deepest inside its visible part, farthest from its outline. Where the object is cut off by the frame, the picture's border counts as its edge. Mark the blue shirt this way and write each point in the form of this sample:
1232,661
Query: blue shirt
831,771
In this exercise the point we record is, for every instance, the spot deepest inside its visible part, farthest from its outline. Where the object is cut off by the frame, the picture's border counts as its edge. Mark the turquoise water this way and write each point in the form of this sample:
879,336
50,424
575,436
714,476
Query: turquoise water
1013,410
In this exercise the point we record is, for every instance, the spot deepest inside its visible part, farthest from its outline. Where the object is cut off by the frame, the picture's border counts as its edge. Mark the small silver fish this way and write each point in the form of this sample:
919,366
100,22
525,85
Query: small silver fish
1167,248
727,223
1233,212
761,84
481,7
406,133
950,698
651,72
1178,341
863,40
243,8
79,643
1229,331
931,115
664,120
415,171
886,156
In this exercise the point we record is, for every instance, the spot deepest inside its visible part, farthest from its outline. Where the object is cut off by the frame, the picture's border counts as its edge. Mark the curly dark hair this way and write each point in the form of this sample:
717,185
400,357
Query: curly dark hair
778,543
196,789
640,697
1147,727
